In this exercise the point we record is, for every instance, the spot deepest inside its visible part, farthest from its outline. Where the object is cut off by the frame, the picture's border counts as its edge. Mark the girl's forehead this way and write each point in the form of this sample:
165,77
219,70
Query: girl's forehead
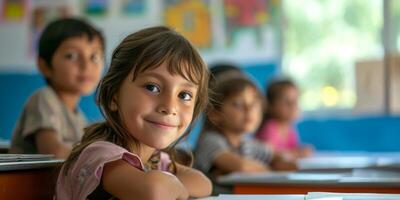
184,70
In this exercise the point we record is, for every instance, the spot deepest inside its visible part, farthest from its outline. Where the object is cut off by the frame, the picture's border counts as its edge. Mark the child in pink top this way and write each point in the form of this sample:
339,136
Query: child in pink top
155,87
277,130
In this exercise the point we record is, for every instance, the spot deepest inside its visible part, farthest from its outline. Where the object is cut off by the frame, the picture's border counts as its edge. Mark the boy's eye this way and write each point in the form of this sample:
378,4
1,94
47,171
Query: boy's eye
71,56
96,58
152,88
185,96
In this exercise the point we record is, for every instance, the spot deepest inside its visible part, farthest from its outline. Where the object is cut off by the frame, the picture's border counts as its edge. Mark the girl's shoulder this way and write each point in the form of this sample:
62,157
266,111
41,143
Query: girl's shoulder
85,174
101,152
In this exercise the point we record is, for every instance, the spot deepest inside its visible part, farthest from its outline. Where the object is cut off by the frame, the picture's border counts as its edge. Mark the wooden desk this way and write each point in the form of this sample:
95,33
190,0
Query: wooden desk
28,180
302,183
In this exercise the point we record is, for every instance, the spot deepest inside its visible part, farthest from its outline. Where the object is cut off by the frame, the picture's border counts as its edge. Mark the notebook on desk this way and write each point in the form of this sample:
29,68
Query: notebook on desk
24,157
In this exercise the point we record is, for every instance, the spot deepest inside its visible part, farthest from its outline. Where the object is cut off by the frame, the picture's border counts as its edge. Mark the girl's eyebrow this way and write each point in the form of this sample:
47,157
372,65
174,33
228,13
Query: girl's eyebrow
164,79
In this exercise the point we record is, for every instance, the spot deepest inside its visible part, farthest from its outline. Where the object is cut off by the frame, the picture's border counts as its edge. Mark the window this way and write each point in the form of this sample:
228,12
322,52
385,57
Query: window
322,41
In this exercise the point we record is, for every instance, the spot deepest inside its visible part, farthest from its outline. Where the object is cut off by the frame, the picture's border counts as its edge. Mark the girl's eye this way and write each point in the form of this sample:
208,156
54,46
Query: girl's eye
152,88
185,96
71,56
237,104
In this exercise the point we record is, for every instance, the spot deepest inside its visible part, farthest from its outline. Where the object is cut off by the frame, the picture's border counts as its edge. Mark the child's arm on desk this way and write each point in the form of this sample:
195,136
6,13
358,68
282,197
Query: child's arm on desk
124,181
49,142
228,162
197,184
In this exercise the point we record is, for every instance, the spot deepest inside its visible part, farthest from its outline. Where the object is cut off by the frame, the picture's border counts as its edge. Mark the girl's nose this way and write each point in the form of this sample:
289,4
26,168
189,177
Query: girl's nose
167,106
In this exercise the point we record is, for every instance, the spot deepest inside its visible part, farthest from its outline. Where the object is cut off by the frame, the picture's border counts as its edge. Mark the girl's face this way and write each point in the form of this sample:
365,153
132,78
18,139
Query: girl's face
240,113
157,107
285,107
76,65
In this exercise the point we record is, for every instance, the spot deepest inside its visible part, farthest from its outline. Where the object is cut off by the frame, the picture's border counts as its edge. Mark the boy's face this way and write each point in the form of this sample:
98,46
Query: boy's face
157,107
241,113
76,65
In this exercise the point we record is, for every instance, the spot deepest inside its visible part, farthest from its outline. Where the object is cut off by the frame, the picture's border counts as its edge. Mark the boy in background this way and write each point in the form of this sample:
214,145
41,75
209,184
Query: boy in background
71,59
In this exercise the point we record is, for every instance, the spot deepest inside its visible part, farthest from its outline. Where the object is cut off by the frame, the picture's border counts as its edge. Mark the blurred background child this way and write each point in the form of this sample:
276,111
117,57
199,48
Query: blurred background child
235,110
71,60
277,131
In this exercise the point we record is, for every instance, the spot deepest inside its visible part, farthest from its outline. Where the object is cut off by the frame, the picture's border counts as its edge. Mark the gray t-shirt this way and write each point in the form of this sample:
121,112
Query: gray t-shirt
44,110
211,144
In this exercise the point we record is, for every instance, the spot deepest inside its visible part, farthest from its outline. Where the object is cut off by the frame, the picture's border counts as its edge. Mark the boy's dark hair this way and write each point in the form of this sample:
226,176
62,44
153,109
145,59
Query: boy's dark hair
56,32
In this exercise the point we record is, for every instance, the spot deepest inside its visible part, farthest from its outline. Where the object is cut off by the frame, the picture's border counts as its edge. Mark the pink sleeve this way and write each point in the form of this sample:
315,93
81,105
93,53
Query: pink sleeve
293,139
165,161
85,174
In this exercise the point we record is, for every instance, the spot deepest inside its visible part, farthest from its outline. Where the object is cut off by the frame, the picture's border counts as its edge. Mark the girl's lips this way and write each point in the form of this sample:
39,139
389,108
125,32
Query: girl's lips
162,124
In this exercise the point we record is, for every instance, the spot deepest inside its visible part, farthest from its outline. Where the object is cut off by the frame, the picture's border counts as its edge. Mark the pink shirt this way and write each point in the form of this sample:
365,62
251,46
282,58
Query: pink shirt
85,174
269,134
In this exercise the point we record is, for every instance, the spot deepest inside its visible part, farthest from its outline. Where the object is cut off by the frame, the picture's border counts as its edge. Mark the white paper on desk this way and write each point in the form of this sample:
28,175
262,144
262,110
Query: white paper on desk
350,196
260,197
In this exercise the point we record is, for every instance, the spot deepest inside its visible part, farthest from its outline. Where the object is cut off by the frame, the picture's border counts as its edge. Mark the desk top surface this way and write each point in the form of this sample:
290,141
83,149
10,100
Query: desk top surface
359,177
10,162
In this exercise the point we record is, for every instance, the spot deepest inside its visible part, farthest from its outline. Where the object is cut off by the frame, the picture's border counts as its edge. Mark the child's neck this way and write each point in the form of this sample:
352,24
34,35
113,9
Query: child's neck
71,100
144,152
233,138
283,126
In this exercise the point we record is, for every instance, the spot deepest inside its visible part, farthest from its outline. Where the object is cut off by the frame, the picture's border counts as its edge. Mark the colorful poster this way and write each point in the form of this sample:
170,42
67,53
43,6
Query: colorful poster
192,19
133,7
95,7
41,16
13,10
253,16
1,10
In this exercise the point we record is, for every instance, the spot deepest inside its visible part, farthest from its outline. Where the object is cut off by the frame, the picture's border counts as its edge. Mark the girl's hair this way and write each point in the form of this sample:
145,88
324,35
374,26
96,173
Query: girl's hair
275,89
223,90
56,32
143,50
274,92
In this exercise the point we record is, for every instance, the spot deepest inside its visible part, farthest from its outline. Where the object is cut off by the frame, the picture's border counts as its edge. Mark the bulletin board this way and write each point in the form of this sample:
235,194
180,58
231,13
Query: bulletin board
241,31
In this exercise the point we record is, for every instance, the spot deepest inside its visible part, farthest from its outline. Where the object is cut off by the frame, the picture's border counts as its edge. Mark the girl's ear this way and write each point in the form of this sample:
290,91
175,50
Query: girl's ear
114,105
44,68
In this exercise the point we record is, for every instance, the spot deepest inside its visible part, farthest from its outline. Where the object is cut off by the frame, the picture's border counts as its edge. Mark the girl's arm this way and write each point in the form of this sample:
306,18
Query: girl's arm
229,162
197,184
124,181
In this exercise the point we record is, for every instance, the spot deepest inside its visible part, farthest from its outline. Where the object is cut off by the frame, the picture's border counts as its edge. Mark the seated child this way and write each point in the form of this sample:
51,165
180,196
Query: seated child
71,60
277,130
155,87
235,110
